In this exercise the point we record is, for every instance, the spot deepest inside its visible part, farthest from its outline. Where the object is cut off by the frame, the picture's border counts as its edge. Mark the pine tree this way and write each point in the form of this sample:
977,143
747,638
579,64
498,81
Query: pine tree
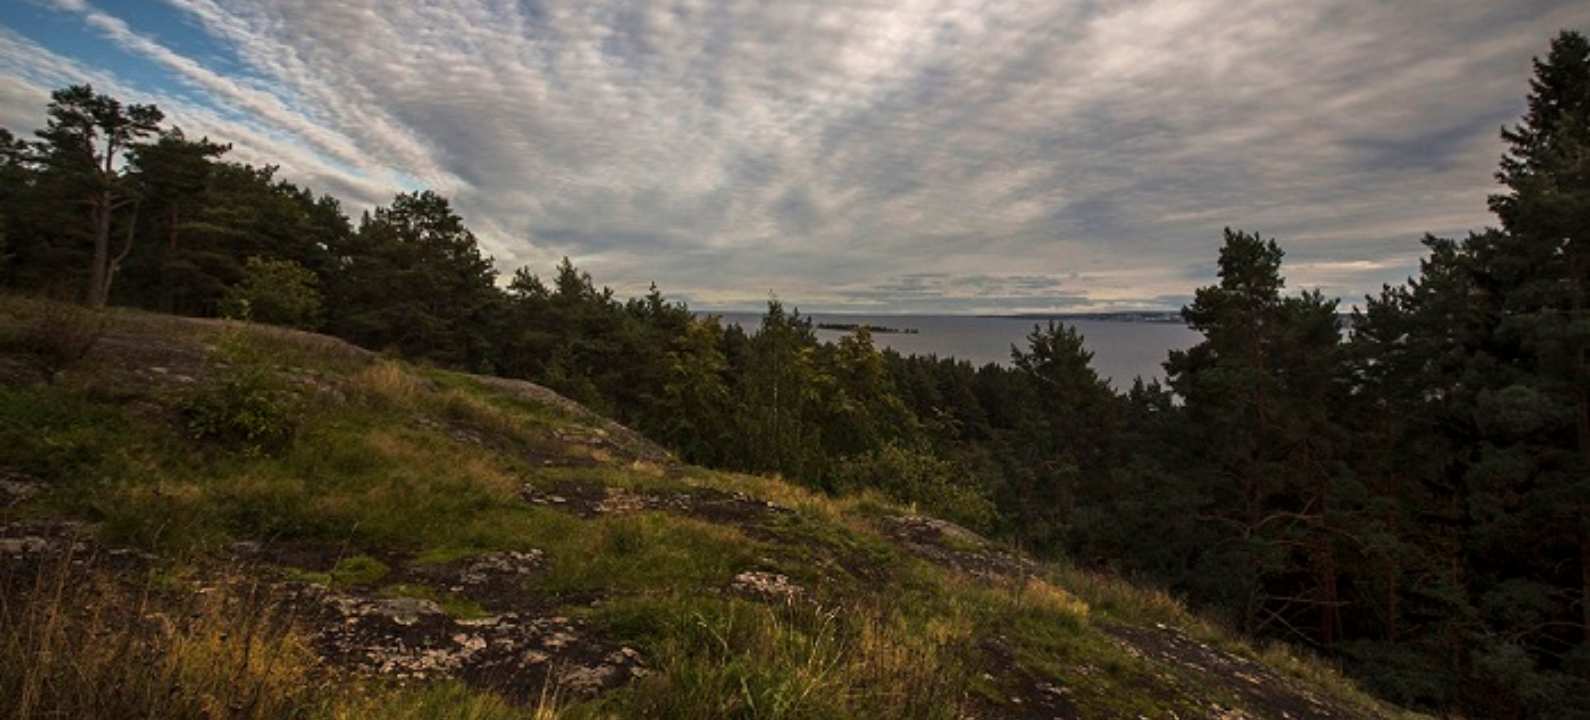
777,394
85,144
1074,441
1257,395
414,279
172,174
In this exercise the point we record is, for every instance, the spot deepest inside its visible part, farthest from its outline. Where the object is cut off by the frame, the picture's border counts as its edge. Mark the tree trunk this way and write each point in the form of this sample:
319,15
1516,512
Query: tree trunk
1390,568
1584,573
98,275
1330,600
168,301
114,265
1580,373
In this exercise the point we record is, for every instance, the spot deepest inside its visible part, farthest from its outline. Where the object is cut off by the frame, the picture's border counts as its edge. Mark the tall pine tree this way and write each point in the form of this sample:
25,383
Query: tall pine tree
1257,393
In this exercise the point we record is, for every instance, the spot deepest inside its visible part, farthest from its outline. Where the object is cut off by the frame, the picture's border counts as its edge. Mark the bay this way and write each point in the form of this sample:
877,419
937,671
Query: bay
1122,350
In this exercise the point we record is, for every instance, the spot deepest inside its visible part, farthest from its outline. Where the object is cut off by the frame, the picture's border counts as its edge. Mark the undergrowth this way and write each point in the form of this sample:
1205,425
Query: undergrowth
56,335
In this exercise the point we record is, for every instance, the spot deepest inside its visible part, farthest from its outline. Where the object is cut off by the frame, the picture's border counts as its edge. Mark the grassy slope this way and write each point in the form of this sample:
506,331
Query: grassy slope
187,440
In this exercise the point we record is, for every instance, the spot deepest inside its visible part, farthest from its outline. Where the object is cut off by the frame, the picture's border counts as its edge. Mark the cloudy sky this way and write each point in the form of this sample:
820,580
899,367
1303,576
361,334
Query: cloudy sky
866,155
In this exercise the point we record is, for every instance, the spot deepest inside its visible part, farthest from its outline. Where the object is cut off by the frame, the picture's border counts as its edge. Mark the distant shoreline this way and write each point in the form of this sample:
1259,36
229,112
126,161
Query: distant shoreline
1138,316
840,320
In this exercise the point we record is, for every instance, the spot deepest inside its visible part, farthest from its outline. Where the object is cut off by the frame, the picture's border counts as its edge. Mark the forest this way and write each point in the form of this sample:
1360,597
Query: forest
1408,494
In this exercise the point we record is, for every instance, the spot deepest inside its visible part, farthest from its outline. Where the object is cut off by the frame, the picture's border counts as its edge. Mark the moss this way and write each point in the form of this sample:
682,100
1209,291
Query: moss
453,604
358,570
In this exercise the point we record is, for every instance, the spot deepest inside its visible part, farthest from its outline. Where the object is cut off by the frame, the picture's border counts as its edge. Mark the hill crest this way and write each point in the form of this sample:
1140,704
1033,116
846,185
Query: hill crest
393,536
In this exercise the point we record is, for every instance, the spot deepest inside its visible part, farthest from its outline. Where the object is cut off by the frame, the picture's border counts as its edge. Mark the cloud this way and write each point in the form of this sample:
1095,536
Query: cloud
920,154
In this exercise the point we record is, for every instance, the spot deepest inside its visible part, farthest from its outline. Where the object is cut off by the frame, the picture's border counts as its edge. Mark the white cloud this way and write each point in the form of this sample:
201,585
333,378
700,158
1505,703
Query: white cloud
728,148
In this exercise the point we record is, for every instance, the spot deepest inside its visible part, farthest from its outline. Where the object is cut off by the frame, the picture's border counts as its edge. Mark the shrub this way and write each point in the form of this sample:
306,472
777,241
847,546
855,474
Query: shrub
60,335
916,476
242,404
279,292
242,411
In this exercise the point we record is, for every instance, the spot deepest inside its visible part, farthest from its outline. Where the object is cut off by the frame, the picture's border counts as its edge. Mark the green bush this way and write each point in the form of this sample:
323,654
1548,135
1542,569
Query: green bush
279,292
915,476
242,412
242,404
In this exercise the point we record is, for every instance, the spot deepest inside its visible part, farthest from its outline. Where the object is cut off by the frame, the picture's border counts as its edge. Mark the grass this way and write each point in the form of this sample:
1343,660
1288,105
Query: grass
399,462
91,646
446,701
358,570
643,552
385,384
731,658
55,435
86,643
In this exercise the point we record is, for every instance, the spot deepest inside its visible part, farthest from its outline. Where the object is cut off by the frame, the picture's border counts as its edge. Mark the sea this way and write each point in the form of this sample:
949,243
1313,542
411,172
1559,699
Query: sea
1123,349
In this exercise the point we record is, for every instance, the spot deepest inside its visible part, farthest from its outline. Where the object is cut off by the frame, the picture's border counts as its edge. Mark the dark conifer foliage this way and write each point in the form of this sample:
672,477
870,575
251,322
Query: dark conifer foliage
412,278
1257,394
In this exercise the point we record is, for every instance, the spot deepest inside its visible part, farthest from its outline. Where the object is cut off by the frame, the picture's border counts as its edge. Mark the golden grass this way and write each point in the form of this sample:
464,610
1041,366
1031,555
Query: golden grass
803,660
79,645
84,644
1037,593
906,657
442,701
385,383
471,409
481,471
788,495
1116,596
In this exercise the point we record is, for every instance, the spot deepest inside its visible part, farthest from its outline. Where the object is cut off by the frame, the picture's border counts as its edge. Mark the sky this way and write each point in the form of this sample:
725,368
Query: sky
876,156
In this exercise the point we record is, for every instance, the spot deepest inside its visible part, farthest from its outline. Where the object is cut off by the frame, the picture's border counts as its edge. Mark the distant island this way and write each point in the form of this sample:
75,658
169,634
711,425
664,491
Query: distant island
850,327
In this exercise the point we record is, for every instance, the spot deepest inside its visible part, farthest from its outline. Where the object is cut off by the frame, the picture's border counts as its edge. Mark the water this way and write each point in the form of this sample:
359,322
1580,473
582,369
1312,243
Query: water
1121,350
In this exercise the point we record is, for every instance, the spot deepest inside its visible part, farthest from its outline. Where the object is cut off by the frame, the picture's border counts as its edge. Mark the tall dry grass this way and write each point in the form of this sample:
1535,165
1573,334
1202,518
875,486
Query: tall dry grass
83,643
804,660
79,643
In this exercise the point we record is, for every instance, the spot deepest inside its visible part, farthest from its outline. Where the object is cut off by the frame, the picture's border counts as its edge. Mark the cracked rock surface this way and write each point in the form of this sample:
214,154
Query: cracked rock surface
413,639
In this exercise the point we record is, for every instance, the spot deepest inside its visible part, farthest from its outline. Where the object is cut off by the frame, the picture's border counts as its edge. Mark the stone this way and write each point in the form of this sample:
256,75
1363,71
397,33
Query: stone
767,586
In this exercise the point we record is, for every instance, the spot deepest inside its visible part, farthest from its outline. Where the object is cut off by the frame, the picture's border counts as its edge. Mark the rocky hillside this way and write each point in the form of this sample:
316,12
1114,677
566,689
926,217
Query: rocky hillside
208,520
